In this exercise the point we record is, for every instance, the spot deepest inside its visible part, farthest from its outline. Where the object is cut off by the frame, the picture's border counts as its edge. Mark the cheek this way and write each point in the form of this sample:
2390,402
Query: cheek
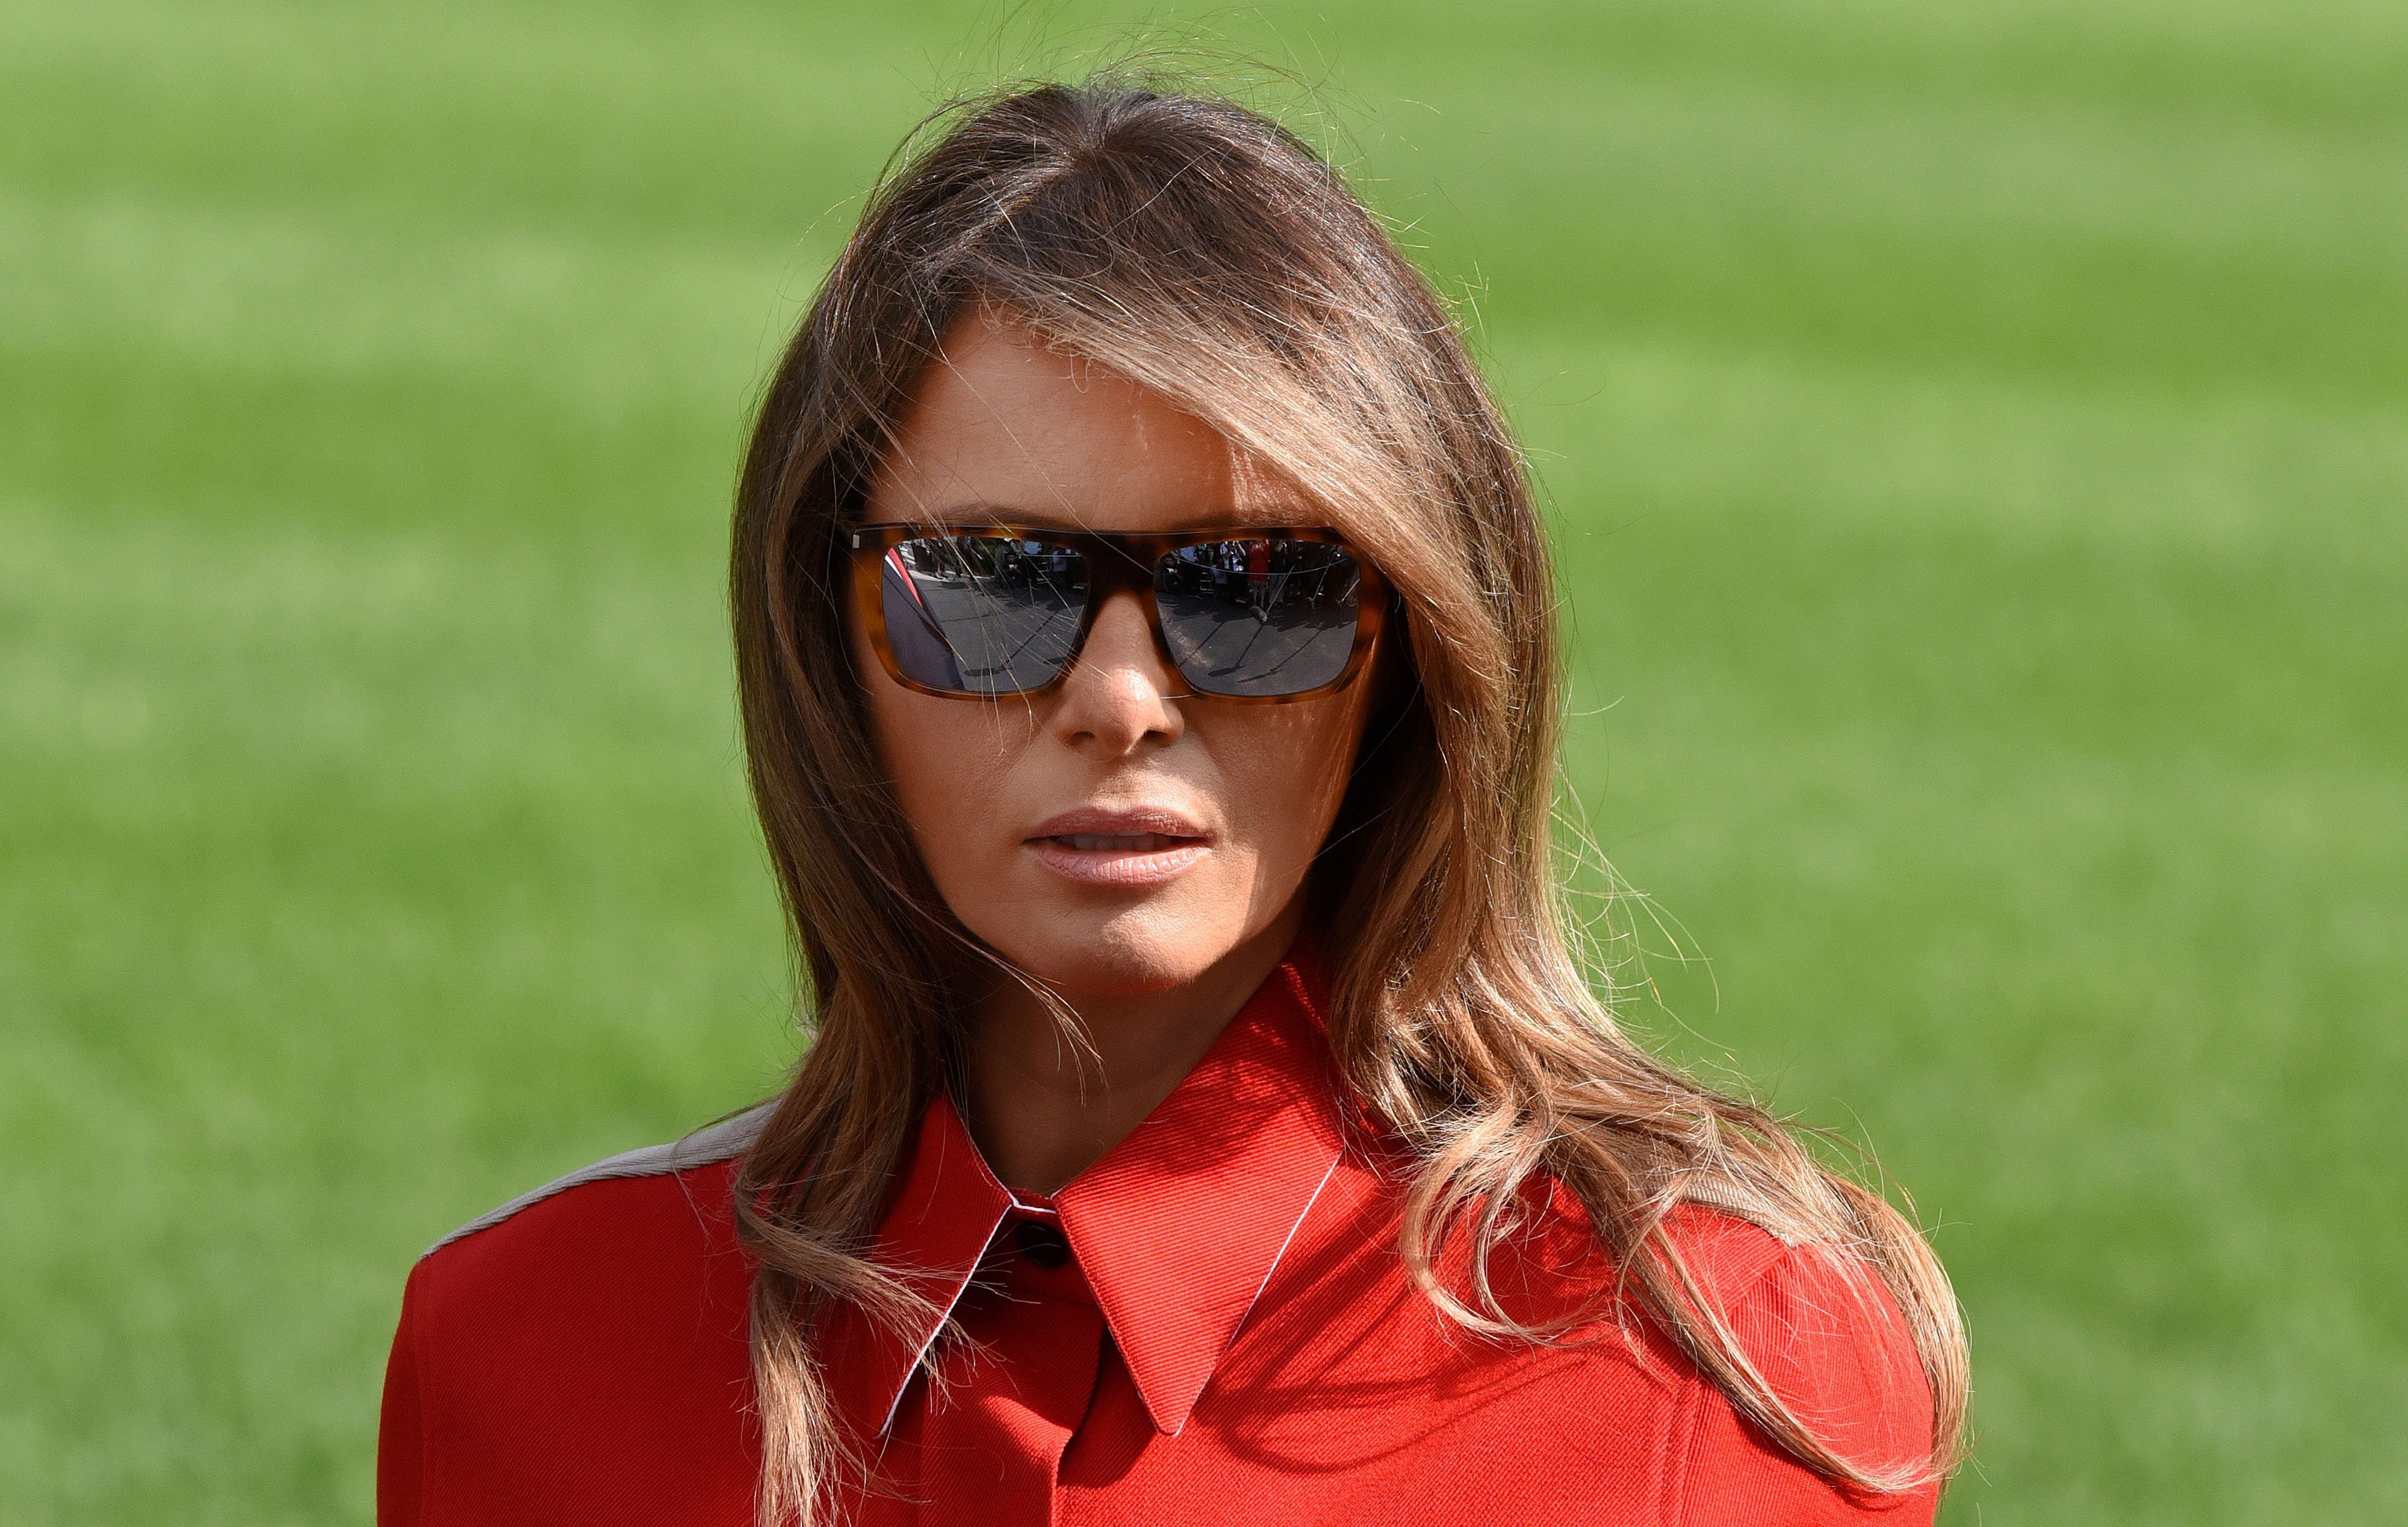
946,760
1286,769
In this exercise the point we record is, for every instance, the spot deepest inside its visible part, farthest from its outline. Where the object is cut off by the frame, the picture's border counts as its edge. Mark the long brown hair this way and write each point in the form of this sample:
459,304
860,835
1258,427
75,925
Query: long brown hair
1203,250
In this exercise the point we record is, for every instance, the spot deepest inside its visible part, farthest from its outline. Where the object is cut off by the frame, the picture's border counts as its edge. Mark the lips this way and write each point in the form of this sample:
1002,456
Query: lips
1129,848
1118,842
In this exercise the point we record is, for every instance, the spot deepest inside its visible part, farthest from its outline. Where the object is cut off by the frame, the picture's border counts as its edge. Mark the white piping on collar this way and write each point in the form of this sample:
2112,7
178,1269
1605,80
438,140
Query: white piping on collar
1302,1215
896,1406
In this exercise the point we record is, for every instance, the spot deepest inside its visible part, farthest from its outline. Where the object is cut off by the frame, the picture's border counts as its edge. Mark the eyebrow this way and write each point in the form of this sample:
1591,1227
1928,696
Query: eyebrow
985,512
982,511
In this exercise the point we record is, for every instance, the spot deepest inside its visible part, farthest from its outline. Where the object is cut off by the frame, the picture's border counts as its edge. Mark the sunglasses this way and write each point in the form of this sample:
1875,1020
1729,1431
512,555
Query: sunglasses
1253,614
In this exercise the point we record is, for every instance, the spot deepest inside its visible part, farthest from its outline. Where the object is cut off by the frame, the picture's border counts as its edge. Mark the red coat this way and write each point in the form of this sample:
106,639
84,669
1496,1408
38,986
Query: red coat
1211,1324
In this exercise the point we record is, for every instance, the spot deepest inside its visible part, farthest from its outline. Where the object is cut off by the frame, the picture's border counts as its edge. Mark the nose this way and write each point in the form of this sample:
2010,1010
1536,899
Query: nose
1118,696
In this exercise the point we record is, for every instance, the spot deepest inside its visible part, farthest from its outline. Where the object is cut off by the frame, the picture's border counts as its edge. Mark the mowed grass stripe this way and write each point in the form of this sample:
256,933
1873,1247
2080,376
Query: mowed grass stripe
278,1010
573,336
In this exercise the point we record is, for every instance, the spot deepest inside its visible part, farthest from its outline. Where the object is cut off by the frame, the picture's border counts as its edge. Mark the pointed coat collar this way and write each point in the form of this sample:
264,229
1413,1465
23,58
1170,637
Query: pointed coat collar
1177,1229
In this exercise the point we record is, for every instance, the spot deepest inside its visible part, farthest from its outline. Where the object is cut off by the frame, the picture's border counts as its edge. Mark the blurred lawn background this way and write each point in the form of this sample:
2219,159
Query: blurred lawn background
1977,432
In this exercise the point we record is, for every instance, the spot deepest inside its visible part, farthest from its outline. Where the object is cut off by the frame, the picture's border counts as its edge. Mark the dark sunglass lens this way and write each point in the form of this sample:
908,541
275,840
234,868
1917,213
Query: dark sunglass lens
1265,617
982,614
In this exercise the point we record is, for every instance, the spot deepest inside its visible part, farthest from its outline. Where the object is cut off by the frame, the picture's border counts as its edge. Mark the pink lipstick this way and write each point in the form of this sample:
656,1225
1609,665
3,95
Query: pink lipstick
1131,847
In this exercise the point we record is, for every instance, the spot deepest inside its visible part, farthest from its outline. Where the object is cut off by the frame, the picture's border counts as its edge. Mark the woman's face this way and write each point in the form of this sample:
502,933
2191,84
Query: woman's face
1200,817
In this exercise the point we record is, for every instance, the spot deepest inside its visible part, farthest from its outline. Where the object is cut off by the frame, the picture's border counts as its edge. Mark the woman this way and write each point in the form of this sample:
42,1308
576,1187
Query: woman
1149,685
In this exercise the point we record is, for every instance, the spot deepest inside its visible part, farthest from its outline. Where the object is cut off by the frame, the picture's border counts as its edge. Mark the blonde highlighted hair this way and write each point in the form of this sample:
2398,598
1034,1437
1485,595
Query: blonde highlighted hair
1201,250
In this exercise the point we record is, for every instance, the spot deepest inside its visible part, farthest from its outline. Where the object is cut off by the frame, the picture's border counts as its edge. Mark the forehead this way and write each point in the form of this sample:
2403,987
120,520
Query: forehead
1000,427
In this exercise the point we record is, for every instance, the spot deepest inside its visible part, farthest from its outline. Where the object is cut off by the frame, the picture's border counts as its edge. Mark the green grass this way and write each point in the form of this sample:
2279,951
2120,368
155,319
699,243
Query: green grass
1976,436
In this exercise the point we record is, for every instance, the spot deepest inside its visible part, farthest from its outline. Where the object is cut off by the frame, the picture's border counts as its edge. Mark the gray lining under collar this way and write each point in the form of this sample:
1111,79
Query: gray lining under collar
719,1141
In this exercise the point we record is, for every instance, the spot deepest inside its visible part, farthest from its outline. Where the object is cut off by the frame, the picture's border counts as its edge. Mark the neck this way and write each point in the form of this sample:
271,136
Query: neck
1043,1109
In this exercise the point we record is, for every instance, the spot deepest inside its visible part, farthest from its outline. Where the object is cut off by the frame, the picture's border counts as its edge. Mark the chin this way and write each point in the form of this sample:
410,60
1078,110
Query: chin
1129,952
